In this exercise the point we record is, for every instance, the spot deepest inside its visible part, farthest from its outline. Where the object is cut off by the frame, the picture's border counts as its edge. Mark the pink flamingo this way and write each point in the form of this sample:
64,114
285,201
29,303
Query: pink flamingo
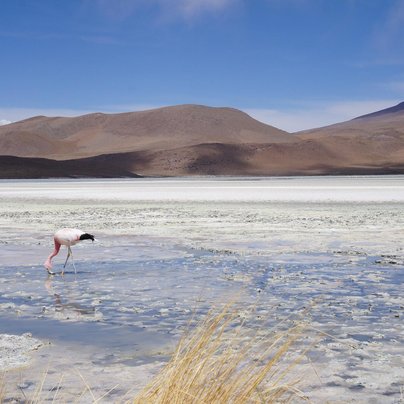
67,237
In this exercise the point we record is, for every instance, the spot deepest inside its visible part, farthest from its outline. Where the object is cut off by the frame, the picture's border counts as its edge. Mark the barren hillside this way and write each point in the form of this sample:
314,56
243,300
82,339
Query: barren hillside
158,129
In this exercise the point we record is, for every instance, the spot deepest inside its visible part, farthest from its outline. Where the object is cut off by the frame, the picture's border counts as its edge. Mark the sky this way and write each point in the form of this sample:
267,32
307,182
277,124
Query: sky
294,64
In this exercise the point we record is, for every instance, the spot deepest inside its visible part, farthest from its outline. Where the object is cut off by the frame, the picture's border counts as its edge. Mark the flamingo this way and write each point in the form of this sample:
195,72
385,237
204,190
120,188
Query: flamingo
67,237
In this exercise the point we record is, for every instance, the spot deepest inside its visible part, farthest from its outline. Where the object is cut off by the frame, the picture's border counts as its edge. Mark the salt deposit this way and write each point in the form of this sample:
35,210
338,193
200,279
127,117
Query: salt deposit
170,249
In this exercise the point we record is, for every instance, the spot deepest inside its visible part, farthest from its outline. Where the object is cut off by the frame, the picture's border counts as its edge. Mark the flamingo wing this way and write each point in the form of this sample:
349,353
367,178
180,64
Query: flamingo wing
68,237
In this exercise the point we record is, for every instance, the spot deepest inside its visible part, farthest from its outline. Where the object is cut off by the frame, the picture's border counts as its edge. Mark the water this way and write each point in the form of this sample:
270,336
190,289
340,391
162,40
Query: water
169,250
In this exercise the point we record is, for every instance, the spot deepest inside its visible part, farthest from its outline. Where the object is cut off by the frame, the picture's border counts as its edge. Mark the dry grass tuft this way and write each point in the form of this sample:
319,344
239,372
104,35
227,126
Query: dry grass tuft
220,362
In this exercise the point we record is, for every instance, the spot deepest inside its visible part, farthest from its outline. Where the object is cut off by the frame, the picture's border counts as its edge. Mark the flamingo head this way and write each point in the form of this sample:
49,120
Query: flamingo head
87,236
48,265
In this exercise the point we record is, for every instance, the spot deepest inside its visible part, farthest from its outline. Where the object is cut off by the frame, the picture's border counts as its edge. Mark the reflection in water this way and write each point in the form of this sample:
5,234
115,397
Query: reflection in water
69,303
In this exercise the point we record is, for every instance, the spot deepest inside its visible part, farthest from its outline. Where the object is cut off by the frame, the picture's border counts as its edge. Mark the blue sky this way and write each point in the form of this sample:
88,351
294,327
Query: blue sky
295,64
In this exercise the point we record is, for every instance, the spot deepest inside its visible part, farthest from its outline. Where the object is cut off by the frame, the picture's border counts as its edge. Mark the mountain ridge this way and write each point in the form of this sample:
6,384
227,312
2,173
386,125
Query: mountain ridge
162,128
197,140
391,110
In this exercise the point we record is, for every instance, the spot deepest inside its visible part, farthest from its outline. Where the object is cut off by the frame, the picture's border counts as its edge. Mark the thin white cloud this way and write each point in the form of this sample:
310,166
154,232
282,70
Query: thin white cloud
4,122
389,33
116,9
186,9
192,8
396,18
309,116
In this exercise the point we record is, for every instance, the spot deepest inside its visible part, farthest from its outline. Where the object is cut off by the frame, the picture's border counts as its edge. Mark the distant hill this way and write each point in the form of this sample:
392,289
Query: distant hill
157,129
198,140
399,108
373,140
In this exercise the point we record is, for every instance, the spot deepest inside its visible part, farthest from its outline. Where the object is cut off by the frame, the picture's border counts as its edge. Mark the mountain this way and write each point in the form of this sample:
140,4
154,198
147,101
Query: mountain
197,140
158,129
399,108
368,142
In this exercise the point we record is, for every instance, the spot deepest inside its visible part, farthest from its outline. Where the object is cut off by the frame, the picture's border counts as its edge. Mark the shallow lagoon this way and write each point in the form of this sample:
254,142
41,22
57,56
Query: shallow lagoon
169,250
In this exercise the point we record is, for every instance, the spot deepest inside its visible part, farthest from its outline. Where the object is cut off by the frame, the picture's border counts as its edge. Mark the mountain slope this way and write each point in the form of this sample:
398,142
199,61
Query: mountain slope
375,139
386,122
392,110
303,158
100,167
158,129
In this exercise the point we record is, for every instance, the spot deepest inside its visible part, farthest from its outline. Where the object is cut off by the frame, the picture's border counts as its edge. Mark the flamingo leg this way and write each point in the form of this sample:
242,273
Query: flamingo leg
69,252
74,266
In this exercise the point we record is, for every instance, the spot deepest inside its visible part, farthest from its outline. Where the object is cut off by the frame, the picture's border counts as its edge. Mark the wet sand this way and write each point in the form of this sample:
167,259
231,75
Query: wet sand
169,250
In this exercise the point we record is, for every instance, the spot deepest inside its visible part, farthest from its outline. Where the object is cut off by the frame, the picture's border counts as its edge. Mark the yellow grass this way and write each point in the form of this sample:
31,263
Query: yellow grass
220,362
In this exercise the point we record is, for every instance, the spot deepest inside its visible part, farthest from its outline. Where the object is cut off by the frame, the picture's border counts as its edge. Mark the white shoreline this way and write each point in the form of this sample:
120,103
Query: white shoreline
292,189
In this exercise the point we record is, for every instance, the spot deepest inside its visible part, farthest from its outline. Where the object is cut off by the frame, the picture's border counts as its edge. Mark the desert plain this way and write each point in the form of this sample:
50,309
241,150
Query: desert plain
326,251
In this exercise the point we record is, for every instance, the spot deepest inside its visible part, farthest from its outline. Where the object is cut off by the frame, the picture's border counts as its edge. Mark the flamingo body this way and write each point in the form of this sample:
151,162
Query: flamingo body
67,237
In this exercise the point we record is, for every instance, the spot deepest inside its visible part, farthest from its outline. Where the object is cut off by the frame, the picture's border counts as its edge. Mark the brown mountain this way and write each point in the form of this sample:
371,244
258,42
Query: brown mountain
373,141
196,140
392,110
158,129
